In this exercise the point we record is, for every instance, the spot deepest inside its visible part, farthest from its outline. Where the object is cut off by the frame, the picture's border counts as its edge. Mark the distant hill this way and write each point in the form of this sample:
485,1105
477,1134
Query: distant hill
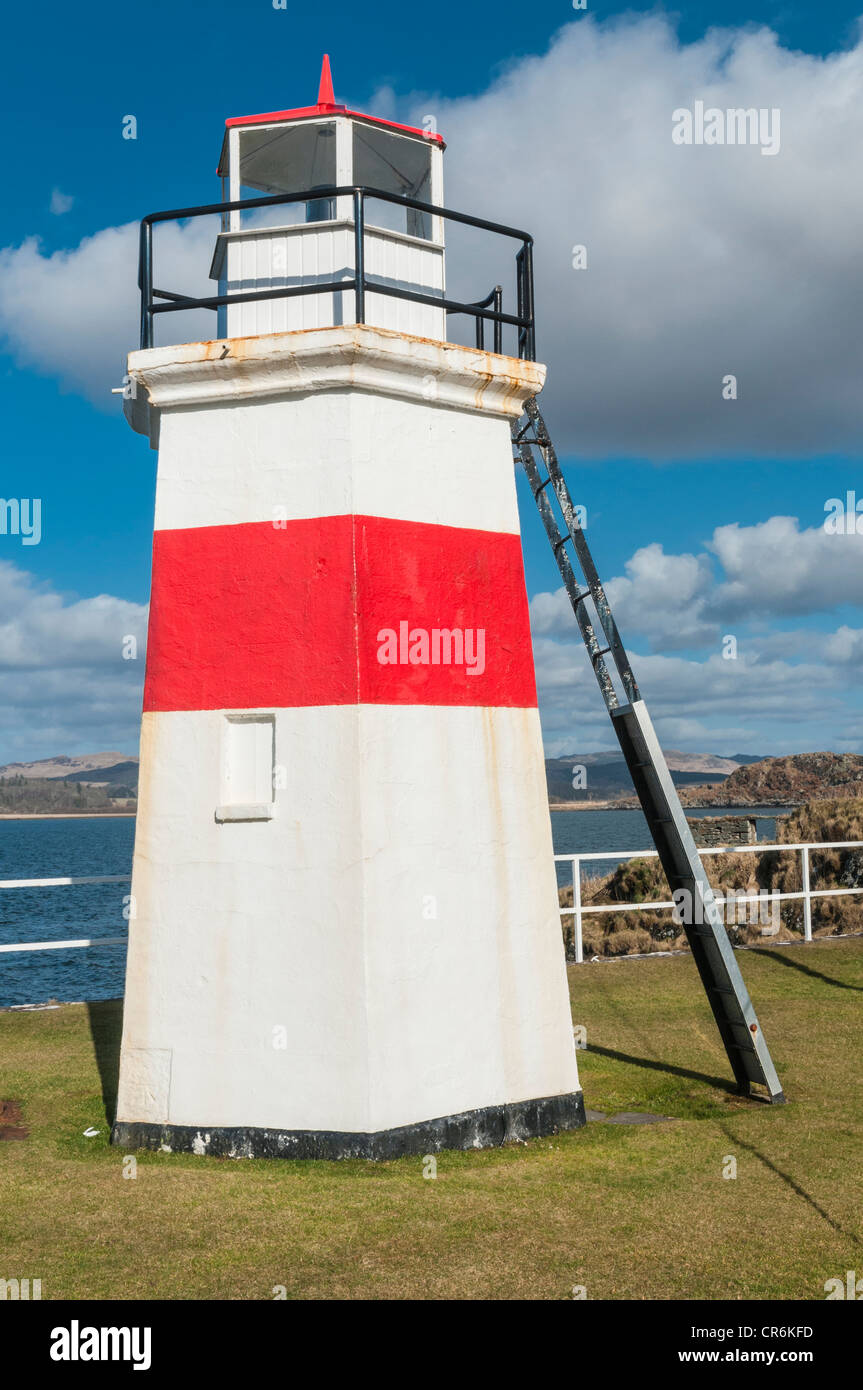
70,785
608,779
124,774
110,780
64,766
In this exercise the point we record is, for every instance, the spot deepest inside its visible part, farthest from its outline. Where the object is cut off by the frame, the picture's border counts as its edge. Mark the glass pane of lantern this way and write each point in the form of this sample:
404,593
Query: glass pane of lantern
397,164
288,159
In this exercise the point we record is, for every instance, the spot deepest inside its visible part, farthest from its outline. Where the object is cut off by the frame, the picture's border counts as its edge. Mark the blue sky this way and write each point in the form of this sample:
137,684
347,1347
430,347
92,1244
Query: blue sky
653,470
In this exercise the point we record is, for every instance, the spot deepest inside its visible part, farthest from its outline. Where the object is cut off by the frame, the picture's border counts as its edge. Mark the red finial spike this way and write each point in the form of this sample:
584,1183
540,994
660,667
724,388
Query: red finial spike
326,95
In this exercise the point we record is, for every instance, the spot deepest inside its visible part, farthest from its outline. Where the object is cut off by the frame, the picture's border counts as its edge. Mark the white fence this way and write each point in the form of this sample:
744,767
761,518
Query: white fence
63,883
579,911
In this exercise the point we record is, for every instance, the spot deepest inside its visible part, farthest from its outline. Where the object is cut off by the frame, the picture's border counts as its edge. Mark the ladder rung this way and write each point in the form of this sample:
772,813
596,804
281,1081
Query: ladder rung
728,1022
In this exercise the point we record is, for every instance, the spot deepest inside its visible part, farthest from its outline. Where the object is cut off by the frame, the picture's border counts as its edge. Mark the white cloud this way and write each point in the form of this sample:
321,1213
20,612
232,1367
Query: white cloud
785,690
60,202
771,570
775,569
702,260
844,647
664,596
39,629
65,686
747,705
661,596
74,314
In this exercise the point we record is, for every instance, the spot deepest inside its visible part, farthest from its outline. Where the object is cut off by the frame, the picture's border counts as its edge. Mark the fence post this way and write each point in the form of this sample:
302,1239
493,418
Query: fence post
807,901
576,903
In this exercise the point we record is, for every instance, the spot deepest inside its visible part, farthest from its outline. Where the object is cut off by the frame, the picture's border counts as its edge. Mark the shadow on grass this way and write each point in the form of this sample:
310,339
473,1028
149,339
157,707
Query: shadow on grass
789,1181
722,1083
106,1023
793,964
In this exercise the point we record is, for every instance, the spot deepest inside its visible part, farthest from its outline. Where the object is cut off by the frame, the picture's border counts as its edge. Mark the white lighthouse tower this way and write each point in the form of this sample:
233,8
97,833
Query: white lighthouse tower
345,938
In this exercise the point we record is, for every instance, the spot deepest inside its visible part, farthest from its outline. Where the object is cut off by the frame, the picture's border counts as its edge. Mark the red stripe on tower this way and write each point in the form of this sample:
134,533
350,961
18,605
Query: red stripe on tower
337,610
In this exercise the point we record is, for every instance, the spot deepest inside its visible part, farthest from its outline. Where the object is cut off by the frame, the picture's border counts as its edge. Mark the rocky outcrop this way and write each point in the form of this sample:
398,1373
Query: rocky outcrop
790,781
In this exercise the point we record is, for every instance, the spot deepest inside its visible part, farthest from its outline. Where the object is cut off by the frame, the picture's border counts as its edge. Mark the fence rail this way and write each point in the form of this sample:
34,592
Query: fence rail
579,911
77,944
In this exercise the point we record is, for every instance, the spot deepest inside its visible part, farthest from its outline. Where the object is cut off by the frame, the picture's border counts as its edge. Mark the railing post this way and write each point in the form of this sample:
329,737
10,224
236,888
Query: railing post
519,301
498,326
807,901
528,301
145,280
576,903
359,258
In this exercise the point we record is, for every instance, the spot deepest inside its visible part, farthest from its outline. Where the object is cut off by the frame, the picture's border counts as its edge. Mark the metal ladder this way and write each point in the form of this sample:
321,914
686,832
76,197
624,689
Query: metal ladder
711,949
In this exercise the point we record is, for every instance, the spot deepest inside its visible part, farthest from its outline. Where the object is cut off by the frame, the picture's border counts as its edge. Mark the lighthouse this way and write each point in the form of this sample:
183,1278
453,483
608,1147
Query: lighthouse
345,938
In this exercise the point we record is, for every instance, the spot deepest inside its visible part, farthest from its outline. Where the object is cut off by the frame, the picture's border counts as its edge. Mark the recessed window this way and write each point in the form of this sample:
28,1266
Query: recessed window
248,755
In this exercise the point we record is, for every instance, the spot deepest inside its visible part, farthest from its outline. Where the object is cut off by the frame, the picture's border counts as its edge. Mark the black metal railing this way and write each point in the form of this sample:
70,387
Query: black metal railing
155,301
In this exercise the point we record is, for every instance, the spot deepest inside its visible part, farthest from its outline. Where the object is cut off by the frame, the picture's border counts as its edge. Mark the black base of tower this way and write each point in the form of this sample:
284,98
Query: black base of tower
472,1129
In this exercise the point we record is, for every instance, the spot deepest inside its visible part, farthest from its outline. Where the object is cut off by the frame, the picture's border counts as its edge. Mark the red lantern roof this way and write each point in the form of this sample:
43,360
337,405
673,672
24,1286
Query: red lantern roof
326,106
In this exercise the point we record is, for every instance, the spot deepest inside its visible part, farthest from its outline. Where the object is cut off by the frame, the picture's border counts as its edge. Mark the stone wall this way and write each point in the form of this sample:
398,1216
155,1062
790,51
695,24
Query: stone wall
710,832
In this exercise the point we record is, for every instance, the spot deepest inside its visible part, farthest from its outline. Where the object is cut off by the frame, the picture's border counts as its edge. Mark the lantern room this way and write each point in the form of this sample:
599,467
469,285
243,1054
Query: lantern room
311,240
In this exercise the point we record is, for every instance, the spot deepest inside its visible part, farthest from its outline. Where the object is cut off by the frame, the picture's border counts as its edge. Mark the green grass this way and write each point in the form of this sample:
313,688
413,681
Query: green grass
628,1212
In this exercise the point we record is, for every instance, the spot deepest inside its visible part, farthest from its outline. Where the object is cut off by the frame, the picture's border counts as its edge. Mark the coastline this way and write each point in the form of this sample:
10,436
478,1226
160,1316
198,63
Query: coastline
590,806
67,815
632,805
553,806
